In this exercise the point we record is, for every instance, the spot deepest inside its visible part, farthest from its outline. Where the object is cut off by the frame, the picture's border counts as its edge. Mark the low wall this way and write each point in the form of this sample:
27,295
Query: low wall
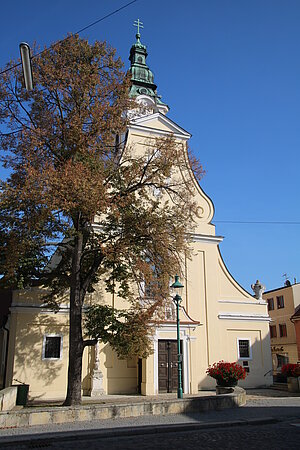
63,414
8,398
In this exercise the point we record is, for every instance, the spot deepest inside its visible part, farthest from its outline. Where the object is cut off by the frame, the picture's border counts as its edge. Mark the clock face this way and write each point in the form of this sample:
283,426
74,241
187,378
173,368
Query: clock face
143,91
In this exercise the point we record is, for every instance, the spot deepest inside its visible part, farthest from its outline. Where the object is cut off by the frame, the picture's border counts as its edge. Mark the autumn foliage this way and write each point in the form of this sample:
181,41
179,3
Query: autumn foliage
81,206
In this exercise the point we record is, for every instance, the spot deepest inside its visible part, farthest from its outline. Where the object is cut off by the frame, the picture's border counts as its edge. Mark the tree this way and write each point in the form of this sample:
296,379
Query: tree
81,206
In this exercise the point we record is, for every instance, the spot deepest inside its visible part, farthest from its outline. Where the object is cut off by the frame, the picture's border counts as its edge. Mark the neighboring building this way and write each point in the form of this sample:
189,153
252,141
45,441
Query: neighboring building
219,319
282,303
296,321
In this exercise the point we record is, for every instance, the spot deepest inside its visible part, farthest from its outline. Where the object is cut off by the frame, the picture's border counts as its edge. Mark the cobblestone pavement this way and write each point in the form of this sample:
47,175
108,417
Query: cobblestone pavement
273,436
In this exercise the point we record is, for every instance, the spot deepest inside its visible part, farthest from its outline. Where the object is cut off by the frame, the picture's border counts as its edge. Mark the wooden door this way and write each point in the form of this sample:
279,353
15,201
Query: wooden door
167,366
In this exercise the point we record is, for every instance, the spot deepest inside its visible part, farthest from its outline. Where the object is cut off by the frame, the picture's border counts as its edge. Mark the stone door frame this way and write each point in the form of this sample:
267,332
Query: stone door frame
169,332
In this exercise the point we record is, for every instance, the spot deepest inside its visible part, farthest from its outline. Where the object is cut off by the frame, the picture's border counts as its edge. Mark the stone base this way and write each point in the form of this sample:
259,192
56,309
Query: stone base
97,393
236,391
96,384
293,384
224,390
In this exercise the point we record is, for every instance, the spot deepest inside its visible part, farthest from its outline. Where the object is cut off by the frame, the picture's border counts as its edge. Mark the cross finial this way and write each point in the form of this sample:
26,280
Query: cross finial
138,24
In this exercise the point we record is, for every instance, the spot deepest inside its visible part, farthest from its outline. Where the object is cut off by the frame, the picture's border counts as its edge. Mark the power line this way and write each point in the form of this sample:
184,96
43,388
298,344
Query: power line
267,222
106,17
77,32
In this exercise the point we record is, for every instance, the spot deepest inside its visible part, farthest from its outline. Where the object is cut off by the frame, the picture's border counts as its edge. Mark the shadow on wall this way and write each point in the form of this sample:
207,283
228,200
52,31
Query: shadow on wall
30,367
122,374
258,365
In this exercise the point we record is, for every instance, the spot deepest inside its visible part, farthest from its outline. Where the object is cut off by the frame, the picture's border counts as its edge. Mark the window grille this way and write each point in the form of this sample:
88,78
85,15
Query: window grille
244,348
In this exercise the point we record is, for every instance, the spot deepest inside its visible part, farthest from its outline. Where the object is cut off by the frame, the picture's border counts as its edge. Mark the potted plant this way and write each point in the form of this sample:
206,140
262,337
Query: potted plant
292,372
226,374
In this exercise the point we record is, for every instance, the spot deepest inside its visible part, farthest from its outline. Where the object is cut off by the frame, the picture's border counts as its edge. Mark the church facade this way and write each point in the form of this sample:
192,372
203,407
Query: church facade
219,320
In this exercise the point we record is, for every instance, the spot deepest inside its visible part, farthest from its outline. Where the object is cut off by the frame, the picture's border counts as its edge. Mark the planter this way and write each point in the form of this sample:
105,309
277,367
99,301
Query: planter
293,385
224,383
22,395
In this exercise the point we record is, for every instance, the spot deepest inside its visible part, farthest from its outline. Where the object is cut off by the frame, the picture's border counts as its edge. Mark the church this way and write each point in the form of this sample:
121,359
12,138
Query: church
219,320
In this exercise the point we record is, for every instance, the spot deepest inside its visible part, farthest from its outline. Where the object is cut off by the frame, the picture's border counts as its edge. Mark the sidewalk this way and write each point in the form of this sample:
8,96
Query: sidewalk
263,406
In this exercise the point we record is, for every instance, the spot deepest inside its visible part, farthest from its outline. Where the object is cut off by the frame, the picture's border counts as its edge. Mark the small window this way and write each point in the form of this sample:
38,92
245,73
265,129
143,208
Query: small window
273,332
52,347
244,348
282,330
280,302
270,304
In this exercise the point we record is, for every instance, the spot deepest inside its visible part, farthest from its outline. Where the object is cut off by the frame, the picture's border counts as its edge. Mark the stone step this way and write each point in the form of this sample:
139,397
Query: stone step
279,386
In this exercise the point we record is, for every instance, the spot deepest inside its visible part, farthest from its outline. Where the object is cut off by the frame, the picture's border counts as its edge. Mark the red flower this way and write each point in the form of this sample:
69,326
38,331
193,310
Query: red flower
226,372
291,370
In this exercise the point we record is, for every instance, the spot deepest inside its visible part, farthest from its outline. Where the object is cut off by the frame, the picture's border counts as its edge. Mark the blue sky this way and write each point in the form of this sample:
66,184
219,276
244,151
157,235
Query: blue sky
230,72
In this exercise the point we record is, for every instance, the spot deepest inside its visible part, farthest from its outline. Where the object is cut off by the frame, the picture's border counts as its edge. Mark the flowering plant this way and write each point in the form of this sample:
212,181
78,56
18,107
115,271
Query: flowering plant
291,370
225,372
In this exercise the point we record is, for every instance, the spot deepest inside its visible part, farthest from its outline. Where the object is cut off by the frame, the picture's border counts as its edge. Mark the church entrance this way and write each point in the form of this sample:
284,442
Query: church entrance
167,365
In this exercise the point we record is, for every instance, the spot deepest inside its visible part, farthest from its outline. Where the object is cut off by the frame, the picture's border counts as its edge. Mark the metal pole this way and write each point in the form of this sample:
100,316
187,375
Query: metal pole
179,366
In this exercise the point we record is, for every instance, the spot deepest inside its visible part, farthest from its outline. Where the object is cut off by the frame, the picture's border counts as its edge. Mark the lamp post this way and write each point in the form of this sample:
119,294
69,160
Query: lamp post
177,286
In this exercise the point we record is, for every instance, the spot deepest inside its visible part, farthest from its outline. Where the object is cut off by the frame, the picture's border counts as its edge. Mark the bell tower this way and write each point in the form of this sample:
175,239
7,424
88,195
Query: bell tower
142,78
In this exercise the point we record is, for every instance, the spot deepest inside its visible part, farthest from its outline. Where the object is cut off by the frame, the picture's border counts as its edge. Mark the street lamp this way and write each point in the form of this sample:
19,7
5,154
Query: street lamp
177,286
26,65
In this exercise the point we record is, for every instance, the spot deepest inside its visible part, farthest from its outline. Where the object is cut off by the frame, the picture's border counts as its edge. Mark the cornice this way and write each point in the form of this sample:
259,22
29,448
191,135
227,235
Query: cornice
247,317
244,302
206,239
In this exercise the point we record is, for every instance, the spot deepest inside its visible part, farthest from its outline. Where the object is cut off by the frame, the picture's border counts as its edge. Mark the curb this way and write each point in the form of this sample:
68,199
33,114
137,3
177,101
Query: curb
126,431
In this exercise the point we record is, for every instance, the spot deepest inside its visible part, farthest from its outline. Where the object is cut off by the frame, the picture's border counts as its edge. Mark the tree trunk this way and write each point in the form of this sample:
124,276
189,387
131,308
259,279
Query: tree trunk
75,357
75,329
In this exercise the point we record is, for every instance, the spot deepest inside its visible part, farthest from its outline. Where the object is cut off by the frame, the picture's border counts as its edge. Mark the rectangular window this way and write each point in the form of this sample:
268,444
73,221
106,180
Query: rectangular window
282,360
52,347
280,302
270,304
273,332
244,350
282,330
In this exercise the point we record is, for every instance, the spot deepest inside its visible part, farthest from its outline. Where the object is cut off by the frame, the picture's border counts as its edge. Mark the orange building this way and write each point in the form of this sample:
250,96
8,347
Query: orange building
296,321
282,303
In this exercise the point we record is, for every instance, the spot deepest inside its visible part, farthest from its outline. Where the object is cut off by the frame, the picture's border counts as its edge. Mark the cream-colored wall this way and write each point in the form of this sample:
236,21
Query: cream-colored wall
139,140
29,323
48,378
219,312
212,294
